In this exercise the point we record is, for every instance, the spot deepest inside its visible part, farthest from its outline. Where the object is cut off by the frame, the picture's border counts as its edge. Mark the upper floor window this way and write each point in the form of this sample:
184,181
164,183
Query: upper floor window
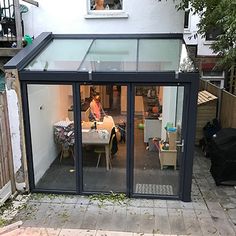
106,9
96,5
187,16
186,19
212,33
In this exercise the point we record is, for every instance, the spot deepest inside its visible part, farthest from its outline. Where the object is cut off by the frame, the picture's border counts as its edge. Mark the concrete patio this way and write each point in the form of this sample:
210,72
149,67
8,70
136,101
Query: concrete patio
211,212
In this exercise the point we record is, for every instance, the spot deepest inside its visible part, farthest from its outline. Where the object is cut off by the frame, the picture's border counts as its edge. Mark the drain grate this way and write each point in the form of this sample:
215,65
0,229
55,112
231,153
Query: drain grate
154,189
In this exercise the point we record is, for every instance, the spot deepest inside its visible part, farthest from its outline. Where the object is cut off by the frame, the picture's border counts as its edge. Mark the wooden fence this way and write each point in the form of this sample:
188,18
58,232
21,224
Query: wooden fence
226,104
6,166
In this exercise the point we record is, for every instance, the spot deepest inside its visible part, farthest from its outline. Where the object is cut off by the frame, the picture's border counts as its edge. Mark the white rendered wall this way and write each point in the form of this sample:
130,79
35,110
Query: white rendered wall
68,17
45,109
203,48
13,111
168,107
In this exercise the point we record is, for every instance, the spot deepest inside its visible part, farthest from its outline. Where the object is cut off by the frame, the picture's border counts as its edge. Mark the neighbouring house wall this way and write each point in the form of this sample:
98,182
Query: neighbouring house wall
191,37
203,48
45,109
149,16
190,34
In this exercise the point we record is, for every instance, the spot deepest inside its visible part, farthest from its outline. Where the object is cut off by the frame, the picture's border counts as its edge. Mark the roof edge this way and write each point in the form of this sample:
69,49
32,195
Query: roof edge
26,54
121,36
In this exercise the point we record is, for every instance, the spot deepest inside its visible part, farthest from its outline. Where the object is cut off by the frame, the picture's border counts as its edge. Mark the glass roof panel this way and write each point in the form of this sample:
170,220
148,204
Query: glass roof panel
61,55
159,54
111,55
114,55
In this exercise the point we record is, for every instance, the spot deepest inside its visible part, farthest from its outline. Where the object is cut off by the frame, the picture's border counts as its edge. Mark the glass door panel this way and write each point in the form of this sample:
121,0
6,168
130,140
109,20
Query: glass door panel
103,124
52,136
157,128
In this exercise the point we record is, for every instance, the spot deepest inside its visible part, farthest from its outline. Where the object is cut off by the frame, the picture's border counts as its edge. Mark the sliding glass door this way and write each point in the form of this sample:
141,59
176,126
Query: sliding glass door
157,134
103,131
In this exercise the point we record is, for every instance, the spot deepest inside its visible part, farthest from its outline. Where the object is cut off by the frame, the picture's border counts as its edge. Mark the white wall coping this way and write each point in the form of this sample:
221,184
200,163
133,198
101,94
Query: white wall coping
107,15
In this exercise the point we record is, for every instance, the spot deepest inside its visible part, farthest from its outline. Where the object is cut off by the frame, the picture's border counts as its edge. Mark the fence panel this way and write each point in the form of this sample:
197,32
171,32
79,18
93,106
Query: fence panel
228,110
213,89
202,84
226,104
5,151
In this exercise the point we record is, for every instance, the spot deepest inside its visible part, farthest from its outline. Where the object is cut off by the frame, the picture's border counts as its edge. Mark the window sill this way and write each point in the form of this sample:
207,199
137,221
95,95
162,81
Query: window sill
187,30
208,42
106,15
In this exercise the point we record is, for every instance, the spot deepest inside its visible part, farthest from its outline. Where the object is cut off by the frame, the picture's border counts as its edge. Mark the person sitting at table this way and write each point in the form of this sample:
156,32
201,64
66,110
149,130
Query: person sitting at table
99,5
96,110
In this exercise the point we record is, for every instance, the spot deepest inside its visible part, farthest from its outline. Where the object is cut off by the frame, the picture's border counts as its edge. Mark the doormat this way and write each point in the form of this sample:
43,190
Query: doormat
154,189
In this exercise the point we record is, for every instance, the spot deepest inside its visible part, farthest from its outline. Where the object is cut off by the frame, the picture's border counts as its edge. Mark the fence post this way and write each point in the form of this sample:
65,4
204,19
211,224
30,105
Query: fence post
19,33
205,85
219,103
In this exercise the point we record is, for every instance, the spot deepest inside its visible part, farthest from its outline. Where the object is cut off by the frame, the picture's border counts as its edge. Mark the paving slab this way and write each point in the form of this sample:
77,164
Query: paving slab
119,218
133,219
162,223
89,217
232,213
207,227
160,203
74,217
192,225
147,220
177,224
105,218
77,232
223,226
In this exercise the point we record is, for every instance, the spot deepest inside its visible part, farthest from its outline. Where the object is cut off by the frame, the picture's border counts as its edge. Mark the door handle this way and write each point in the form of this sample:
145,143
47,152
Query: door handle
179,144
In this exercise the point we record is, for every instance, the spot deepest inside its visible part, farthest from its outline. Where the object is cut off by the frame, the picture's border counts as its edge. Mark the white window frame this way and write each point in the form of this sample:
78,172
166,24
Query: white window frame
216,78
93,14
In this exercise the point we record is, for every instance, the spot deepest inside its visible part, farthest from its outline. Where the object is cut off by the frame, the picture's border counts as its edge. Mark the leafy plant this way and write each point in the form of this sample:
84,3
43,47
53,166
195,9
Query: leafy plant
220,14
119,198
2,222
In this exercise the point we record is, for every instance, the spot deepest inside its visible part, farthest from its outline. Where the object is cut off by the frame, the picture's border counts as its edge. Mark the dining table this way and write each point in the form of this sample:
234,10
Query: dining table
98,134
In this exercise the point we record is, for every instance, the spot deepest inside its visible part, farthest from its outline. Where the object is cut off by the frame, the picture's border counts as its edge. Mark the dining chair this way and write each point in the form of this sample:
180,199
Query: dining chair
101,150
66,152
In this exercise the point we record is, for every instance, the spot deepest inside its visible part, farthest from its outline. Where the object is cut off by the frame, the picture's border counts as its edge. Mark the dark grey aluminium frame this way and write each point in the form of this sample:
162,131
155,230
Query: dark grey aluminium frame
75,78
